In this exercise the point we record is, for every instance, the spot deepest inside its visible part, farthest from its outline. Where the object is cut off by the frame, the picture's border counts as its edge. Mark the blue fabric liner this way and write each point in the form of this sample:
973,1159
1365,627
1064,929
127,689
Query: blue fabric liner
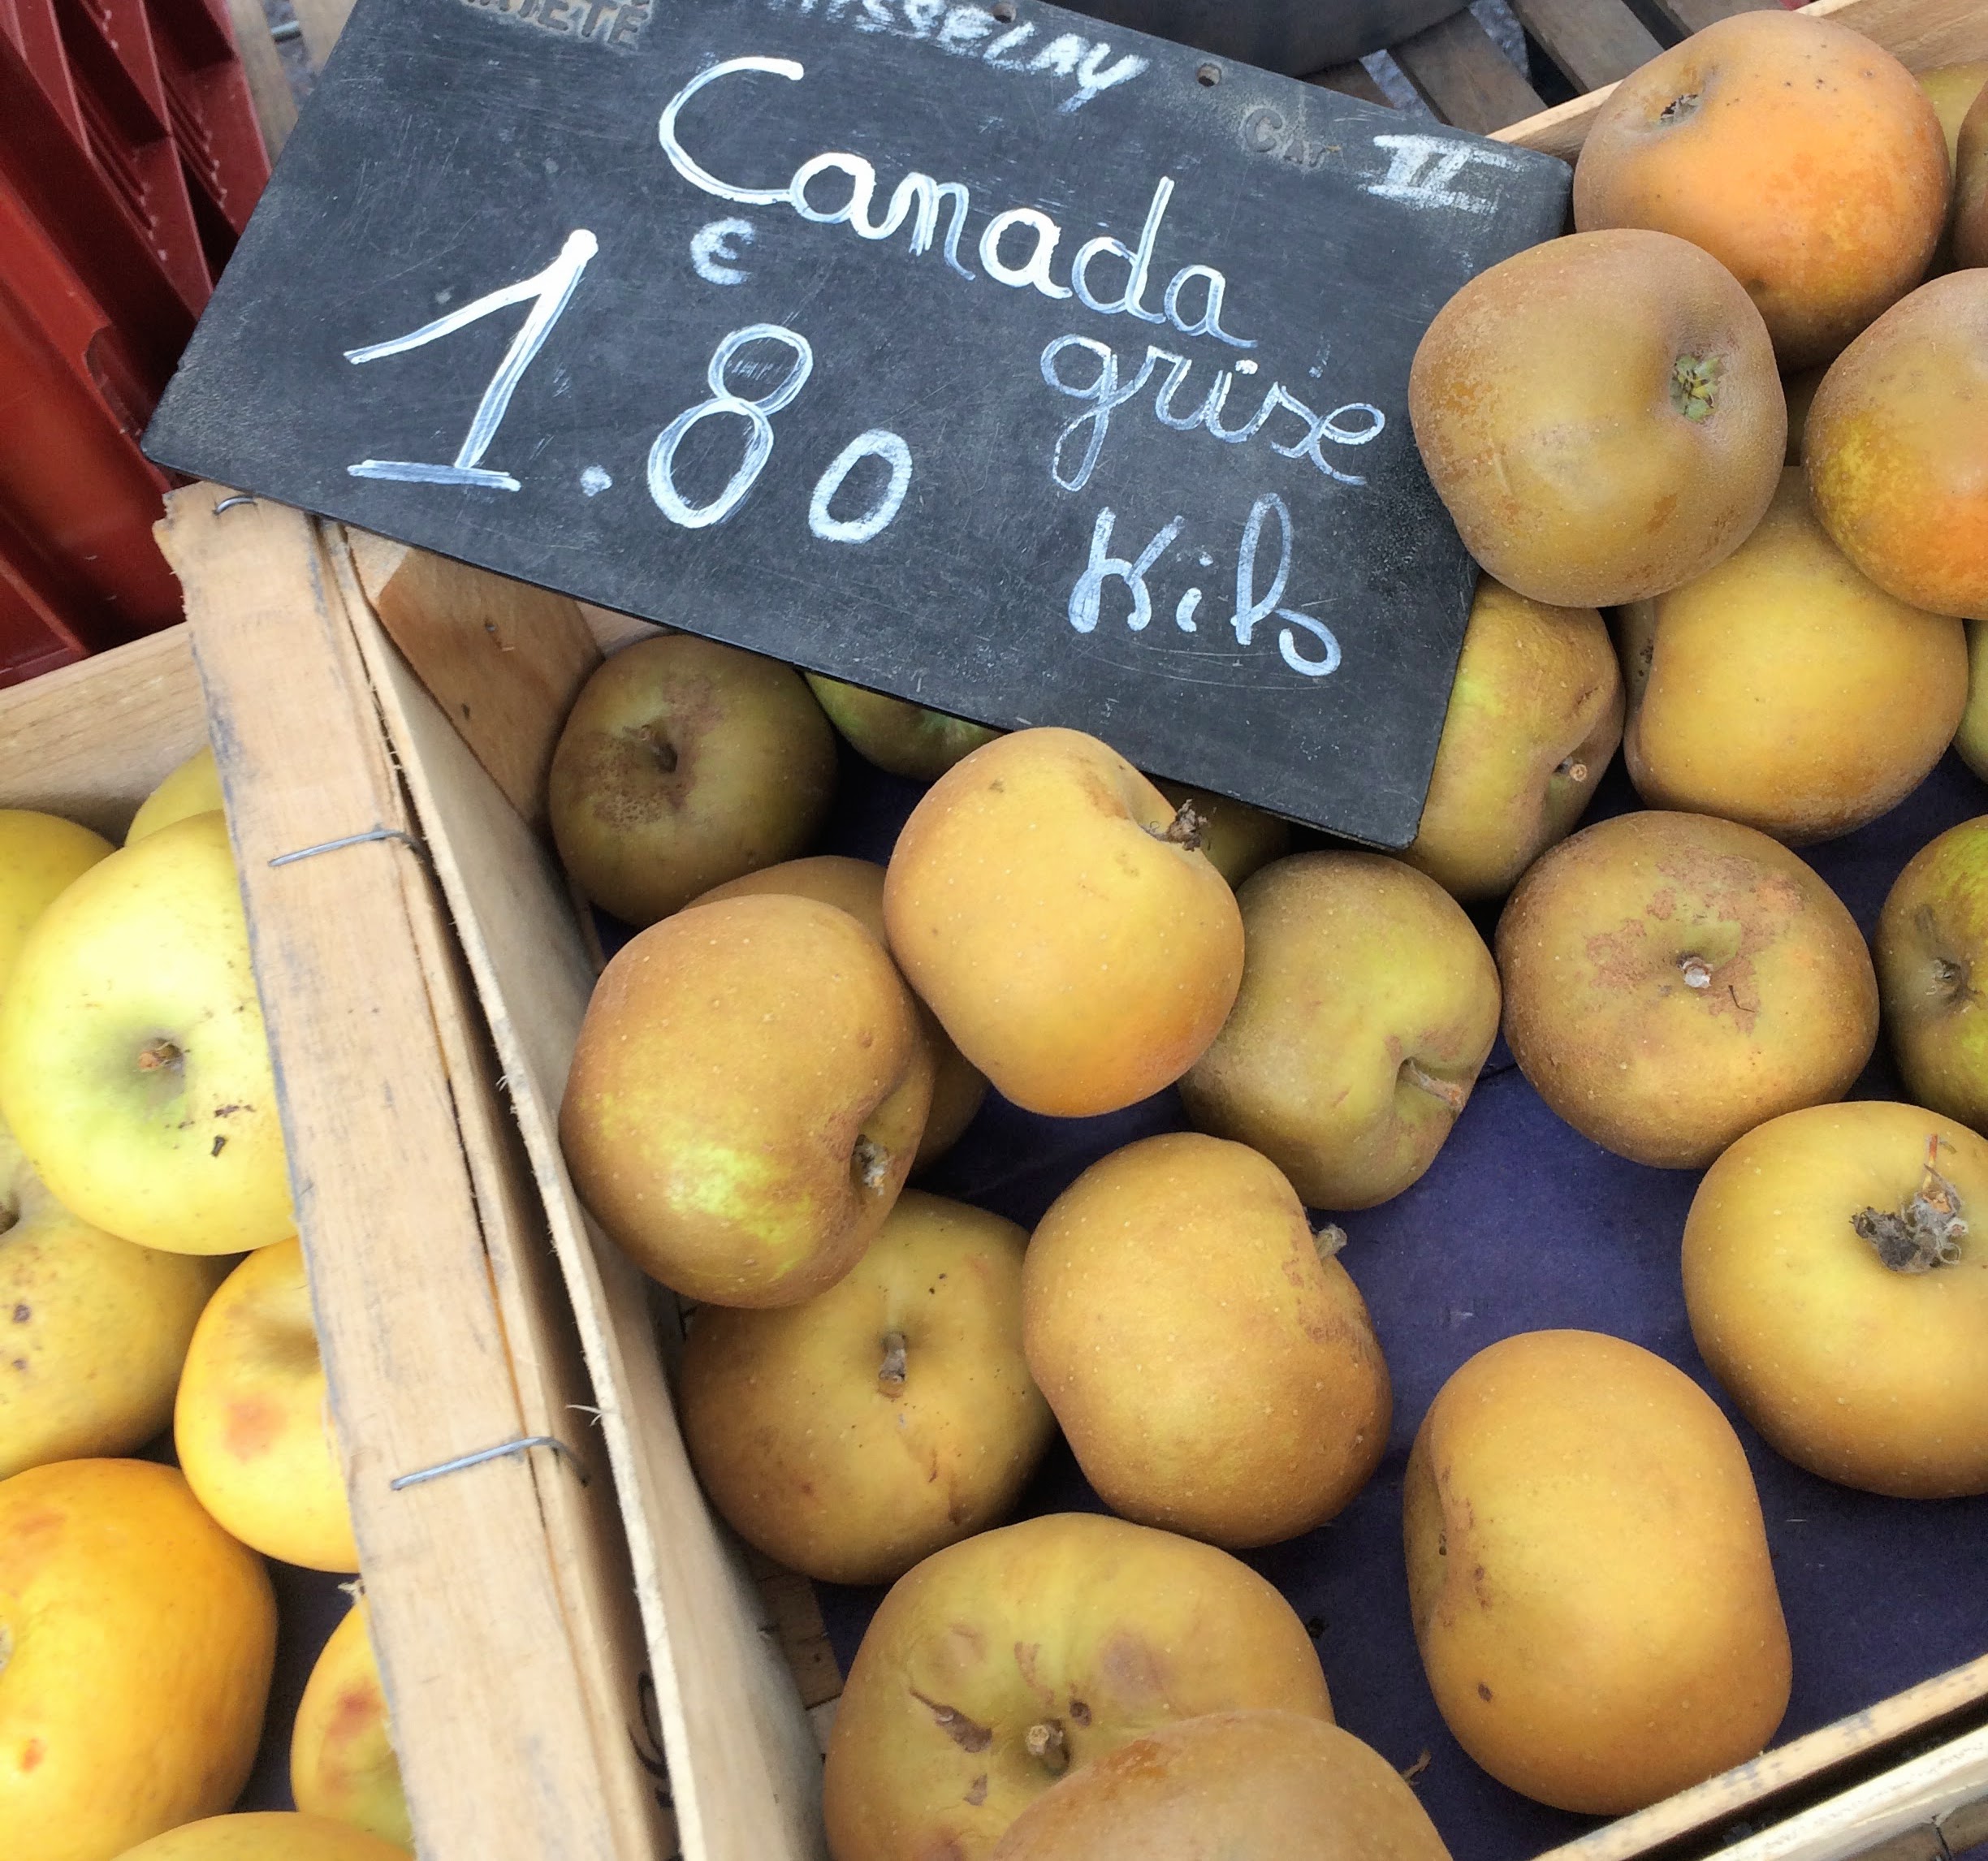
1522,1224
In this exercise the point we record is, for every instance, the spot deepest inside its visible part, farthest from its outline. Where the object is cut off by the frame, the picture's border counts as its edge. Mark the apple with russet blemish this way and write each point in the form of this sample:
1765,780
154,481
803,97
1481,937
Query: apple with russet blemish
342,1760
253,1422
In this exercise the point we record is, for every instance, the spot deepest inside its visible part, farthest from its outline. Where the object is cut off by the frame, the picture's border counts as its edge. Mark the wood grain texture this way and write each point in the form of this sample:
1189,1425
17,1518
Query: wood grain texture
503,659
322,21
487,1680
1350,81
1694,15
742,1759
269,84
1920,34
91,741
1741,1792
1462,76
1593,41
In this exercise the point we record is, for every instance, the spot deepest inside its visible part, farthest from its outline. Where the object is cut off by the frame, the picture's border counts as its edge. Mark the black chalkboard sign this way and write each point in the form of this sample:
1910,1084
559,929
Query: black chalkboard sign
968,353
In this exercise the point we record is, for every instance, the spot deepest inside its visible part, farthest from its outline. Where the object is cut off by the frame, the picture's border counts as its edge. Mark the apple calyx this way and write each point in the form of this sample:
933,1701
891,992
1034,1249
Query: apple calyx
1188,828
1047,1746
661,750
1328,1240
1696,971
1694,385
1923,1232
1573,770
871,1162
1680,106
161,1055
891,1373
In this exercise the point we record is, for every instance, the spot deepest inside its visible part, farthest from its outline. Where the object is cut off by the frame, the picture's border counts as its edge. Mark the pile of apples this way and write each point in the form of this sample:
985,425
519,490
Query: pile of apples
871,1371
150,1278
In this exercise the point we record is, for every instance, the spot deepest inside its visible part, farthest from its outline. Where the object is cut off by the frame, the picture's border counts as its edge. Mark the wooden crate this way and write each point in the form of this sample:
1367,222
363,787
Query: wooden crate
503,1606
1906,1780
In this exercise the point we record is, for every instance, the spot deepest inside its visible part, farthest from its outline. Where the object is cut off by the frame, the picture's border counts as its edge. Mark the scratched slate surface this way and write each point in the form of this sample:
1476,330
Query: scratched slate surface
1521,1225
1164,508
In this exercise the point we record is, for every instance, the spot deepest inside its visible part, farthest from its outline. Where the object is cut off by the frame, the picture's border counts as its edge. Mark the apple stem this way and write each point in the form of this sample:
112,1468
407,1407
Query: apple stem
891,1372
1449,1091
872,1162
1328,1240
1187,828
1047,1744
1926,1232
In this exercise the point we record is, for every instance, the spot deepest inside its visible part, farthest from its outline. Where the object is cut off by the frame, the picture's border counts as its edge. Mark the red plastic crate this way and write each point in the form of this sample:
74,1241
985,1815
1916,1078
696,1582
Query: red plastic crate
130,158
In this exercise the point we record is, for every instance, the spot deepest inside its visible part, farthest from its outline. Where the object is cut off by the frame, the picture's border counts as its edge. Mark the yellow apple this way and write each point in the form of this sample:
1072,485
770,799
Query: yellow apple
1002,1662
134,1066
851,1435
266,1835
1235,838
92,1329
40,855
1588,1575
252,1423
746,1097
896,734
194,788
1046,903
1836,1274
342,1761
136,1641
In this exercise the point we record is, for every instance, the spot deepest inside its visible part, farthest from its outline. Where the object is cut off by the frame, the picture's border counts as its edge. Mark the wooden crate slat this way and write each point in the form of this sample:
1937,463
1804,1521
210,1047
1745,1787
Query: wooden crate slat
1353,79
1694,15
469,1612
1594,41
269,84
1464,78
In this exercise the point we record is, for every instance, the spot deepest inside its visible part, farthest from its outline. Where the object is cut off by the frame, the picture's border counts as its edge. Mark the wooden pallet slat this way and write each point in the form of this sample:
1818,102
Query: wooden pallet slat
1352,79
1594,41
1694,15
1460,73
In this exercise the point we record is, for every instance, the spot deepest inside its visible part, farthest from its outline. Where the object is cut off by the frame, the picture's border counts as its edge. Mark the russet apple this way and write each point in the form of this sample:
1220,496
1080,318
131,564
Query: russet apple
194,788
1600,415
1588,1573
906,739
1800,153
1897,448
1534,713
683,763
1267,1786
1368,1004
1932,952
1002,1662
253,1422
342,1761
1672,980
856,886
850,1436
266,1835
92,1329
134,1067
137,1642
746,1097
1236,838
1785,690
1213,1367
40,855
1836,1274
1970,207
1043,900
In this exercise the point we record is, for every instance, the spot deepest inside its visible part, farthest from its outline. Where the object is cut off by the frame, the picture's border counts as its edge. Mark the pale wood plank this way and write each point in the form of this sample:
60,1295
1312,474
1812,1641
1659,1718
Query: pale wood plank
91,740
504,659
1463,77
1353,79
269,84
1920,34
322,21
1740,1792
747,1782
1594,41
481,1670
